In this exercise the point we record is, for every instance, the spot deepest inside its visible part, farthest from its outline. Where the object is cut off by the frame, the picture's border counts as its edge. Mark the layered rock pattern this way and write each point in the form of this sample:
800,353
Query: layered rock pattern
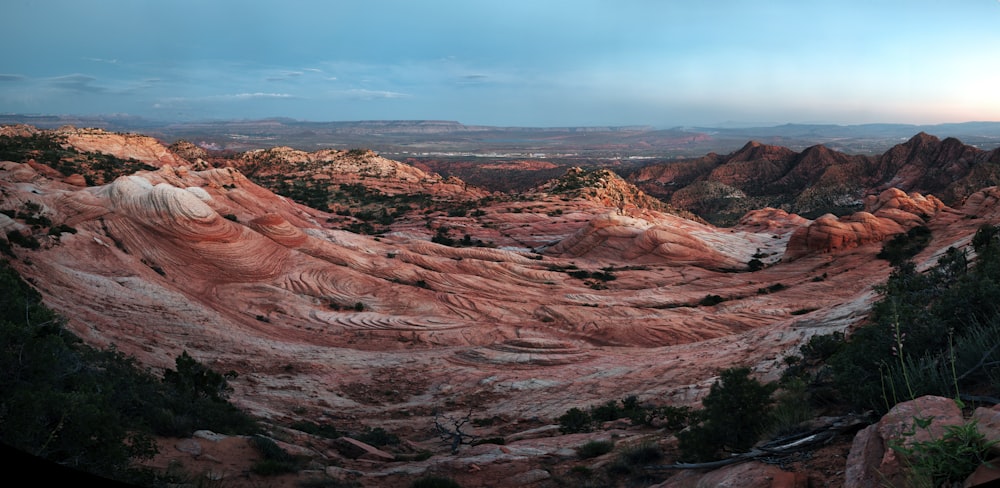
382,330
893,212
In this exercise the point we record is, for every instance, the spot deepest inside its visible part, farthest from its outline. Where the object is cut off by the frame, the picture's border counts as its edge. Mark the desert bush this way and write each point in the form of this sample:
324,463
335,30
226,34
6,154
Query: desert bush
593,449
61,228
710,300
89,409
736,411
792,408
821,347
947,460
378,437
632,461
606,412
677,418
321,430
25,241
274,460
925,333
574,421
904,246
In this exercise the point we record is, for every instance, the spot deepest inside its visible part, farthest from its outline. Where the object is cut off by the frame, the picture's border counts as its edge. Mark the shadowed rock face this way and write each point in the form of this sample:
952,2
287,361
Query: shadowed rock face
577,302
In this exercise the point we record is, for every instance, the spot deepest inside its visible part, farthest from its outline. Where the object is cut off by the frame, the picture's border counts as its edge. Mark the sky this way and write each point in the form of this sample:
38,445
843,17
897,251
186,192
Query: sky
535,63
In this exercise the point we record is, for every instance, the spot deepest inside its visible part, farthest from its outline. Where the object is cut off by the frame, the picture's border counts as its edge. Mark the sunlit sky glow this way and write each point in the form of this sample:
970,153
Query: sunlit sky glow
527,63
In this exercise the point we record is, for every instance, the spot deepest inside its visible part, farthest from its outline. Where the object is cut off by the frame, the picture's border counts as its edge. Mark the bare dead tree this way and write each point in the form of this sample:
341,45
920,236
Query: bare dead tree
449,429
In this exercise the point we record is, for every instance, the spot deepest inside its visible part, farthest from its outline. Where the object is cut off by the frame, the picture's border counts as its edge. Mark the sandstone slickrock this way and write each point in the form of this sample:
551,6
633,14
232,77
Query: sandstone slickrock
892,212
367,331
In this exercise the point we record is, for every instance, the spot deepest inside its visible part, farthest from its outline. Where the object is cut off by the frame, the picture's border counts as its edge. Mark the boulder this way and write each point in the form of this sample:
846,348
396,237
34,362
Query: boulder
873,462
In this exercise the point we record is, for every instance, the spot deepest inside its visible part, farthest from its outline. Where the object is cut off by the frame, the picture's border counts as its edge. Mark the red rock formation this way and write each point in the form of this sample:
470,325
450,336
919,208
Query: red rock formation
822,179
124,146
872,462
892,212
358,330
670,240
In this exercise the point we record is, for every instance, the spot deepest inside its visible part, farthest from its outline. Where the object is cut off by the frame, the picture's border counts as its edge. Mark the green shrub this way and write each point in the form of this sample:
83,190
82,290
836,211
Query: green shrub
792,408
378,437
904,246
632,461
677,418
322,430
593,449
274,459
736,411
25,241
574,421
947,460
607,412
642,454
61,228
924,335
821,347
85,408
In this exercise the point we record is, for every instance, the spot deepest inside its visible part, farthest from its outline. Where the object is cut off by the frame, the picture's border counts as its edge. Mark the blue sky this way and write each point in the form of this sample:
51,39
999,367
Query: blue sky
529,63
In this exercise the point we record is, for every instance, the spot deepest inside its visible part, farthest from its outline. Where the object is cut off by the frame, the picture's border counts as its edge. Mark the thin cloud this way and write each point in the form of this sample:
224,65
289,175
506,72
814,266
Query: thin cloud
77,82
285,75
363,94
473,79
252,96
12,77
224,98
102,60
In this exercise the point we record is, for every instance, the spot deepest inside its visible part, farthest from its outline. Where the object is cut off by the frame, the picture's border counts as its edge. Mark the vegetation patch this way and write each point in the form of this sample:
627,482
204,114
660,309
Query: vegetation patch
90,409
904,246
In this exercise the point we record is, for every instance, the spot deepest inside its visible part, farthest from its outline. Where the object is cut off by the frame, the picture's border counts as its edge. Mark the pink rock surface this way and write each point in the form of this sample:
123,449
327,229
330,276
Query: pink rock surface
506,331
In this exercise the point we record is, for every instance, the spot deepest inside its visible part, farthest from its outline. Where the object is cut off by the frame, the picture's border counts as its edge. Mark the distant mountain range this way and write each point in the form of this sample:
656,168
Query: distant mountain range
434,138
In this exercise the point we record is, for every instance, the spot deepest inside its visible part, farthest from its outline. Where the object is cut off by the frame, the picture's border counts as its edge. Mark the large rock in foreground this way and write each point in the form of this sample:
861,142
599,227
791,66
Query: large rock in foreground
873,462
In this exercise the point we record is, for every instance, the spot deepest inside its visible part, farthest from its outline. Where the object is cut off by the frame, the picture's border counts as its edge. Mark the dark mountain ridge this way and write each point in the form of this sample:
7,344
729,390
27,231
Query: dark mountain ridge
818,180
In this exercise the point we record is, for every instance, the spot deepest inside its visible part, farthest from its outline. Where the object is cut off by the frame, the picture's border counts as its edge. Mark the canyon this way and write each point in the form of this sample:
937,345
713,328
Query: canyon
377,294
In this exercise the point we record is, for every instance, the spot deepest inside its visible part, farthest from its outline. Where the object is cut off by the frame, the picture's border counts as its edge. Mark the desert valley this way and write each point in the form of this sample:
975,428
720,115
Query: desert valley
363,294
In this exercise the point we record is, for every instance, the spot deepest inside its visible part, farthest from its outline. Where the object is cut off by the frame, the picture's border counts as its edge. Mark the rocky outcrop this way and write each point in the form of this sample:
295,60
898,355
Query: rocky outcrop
891,213
621,238
124,146
771,220
874,462
606,188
